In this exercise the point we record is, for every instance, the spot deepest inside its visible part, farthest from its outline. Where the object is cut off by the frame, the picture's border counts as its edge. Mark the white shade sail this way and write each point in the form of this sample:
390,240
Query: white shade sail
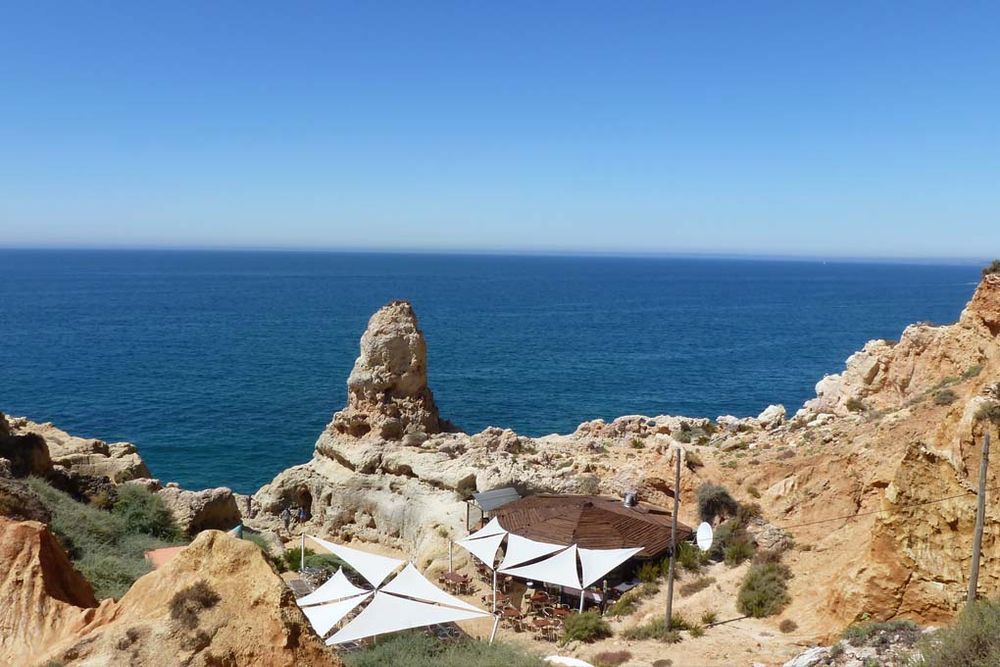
483,548
372,567
389,613
490,529
598,562
559,569
412,584
336,587
521,550
323,617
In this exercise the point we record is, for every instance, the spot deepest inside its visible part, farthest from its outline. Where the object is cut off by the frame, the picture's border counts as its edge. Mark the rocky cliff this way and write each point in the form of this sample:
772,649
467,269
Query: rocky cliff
218,602
899,426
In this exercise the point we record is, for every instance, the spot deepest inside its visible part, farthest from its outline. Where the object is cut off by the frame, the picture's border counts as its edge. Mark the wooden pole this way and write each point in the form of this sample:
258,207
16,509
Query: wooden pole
977,540
302,552
673,536
451,567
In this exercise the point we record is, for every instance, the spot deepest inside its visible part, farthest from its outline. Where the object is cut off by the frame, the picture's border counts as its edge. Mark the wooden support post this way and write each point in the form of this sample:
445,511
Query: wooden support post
302,552
673,536
977,539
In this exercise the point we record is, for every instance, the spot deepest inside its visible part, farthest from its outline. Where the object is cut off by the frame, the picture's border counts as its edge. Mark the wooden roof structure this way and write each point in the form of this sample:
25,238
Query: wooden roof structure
592,522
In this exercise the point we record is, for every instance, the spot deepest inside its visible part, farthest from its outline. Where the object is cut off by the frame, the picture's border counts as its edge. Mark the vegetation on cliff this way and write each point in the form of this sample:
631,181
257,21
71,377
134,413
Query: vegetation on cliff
991,268
973,640
416,649
108,546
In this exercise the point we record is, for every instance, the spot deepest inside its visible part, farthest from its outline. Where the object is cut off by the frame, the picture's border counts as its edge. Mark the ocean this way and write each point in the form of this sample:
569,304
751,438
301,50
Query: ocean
223,367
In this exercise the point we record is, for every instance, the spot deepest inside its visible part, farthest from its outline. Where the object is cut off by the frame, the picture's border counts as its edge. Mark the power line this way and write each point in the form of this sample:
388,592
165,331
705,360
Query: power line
847,517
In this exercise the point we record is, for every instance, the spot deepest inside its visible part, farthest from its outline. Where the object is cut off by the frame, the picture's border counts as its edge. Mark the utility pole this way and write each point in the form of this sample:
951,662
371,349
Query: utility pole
673,536
977,540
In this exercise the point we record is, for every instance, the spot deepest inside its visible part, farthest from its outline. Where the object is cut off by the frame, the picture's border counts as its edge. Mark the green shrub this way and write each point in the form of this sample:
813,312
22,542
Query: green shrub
626,605
683,436
945,397
586,627
610,658
293,560
693,461
855,405
690,557
654,629
715,501
860,634
417,649
108,548
708,617
697,631
142,511
187,604
649,571
992,267
972,640
737,552
764,591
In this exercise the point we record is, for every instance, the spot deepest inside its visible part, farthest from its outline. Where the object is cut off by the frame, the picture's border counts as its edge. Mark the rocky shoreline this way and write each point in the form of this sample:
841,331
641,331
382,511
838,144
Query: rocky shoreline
898,427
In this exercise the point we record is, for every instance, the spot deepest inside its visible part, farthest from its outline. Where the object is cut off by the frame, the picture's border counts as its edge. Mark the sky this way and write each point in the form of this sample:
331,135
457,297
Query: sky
806,128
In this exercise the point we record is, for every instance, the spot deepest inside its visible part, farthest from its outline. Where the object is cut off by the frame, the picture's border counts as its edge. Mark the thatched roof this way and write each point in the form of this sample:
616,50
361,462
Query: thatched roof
592,522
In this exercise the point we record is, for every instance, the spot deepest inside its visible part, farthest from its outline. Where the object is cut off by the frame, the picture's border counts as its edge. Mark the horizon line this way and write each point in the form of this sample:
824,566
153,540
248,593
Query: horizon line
510,252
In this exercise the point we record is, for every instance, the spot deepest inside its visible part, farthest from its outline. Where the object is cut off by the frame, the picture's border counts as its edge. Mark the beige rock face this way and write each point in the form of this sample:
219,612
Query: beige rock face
25,452
387,391
195,511
42,598
255,620
118,461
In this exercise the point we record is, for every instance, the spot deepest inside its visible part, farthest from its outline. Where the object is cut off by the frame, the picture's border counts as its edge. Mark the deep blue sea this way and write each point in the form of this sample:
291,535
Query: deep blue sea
225,366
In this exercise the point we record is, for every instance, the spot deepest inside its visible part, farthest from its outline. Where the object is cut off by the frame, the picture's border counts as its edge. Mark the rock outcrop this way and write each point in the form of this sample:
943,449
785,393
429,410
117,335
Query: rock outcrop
118,461
195,511
25,452
247,616
42,598
387,392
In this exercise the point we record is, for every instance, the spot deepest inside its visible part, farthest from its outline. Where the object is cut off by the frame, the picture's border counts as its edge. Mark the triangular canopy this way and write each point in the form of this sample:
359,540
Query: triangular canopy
336,587
412,584
389,613
492,528
325,616
521,550
559,569
483,548
598,562
372,567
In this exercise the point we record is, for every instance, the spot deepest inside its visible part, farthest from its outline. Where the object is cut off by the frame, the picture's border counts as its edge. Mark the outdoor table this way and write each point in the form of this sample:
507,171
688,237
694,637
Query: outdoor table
561,612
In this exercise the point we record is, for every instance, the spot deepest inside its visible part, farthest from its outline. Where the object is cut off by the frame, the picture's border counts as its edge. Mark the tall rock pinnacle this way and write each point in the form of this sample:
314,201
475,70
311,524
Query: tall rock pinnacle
387,392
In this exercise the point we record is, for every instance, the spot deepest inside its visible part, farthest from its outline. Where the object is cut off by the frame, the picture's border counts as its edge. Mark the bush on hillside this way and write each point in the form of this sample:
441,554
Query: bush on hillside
737,552
690,557
699,584
945,397
649,572
860,634
654,629
764,591
293,560
610,658
417,649
715,501
992,267
973,640
144,512
586,627
108,548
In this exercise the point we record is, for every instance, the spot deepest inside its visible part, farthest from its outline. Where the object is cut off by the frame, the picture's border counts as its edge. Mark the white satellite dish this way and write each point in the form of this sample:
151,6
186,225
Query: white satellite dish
704,537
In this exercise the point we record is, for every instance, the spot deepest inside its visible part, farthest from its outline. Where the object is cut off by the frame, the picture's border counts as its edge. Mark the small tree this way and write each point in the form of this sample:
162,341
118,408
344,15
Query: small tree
715,501
992,267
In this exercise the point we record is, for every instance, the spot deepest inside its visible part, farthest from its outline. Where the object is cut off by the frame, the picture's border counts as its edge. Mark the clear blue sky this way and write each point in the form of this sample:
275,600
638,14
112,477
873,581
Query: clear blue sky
847,128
